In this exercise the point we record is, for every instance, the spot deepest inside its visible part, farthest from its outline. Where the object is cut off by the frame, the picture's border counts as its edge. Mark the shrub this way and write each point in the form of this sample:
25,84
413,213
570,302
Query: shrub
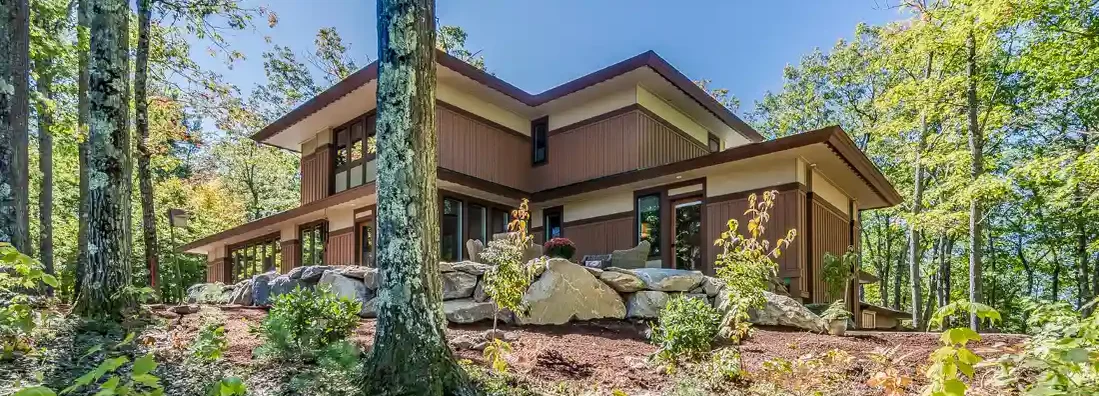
560,248
836,311
686,329
210,343
1063,354
304,322
509,277
953,357
18,318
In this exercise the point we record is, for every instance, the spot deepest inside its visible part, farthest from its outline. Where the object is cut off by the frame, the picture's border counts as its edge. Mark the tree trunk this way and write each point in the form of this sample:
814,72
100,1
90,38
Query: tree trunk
976,143
914,254
410,355
14,110
141,123
897,275
82,148
44,84
108,268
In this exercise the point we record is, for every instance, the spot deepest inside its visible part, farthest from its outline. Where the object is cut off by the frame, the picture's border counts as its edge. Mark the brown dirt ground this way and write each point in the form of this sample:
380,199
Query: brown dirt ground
610,354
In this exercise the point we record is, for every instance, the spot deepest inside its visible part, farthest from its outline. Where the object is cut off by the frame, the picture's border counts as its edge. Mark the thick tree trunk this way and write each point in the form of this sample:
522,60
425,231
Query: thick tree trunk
108,267
410,355
976,147
82,148
14,110
141,112
44,84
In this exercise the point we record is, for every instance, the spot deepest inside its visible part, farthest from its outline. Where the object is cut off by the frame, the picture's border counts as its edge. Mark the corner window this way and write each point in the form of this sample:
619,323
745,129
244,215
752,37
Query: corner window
313,237
648,222
255,257
715,143
552,222
539,141
352,154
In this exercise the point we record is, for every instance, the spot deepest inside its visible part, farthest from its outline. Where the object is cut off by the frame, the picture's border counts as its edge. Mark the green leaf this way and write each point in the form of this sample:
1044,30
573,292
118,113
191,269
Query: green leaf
143,365
967,357
129,338
35,391
954,387
148,380
111,383
1077,355
50,280
92,350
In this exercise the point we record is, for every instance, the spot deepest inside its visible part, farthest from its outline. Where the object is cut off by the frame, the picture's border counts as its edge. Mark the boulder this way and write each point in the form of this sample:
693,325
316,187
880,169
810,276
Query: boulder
261,288
314,273
296,272
354,271
594,271
471,268
479,294
184,309
344,287
446,267
371,278
469,311
458,285
243,293
206,293
284,285
698,296
711,286
781,311
475,247
621,281
646,304
368,310
631,258
668,280
567,291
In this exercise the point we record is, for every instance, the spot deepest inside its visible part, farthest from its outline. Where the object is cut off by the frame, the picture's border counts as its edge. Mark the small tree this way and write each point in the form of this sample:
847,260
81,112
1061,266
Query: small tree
508,279
746,264
838,272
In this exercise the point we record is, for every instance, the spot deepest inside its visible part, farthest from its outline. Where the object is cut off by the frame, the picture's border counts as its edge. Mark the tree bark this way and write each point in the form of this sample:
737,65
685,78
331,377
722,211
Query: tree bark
82,148
897,281
976,147
108,268
44,85
914,254
141,123
14,110
410,355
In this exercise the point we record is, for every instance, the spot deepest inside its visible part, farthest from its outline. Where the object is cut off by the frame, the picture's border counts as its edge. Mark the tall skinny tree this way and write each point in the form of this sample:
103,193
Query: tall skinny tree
107,269
141,112
14,110
976,149
410,355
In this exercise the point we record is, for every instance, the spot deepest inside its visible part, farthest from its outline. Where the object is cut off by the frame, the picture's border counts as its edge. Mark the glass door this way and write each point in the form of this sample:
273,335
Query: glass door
366,243
687,244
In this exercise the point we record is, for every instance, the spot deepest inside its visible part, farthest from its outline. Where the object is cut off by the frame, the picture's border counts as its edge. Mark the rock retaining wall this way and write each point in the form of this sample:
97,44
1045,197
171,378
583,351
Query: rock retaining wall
561,292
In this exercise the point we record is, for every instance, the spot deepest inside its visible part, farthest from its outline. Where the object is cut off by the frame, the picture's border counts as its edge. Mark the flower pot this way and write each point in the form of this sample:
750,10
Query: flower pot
837,327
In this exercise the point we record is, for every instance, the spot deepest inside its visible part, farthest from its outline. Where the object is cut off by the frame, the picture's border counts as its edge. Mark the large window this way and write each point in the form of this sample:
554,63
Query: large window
366,240
552,223
451,233
539,141
465,218
255,257
648,222
351,161
313,237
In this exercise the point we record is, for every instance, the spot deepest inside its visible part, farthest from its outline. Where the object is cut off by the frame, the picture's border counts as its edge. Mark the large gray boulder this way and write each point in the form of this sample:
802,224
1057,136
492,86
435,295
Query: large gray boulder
479,294
458,284
368,310
207,293
622,281
261,288
471,268
646,304
668,280
296,272
344,287
567,291
779,311
284,285
469,311
475,247
711,286
634,257
242,293
314,273
368,275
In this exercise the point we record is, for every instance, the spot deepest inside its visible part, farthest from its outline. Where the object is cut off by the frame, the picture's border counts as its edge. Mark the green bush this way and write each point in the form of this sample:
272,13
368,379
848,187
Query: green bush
19,273
210,343
686,329
304,322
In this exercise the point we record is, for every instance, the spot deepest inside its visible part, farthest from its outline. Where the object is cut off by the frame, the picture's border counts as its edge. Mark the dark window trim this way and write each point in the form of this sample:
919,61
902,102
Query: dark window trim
359,237
273,239
667,220
662,196
368,131
544,121
465,200
323,225
546,213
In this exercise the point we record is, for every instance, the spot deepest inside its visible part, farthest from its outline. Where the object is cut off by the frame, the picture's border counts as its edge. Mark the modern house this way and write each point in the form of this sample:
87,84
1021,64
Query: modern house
632,152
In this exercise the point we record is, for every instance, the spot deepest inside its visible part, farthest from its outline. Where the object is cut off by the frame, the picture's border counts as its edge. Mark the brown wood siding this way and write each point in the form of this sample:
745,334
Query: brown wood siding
831,233
217,270
291,254
475,148
661,144
340,248
315,174
787,214
597,149
601,237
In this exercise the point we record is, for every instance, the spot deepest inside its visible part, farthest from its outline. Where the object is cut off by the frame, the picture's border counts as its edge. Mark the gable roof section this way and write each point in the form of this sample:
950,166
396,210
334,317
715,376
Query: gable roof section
646,59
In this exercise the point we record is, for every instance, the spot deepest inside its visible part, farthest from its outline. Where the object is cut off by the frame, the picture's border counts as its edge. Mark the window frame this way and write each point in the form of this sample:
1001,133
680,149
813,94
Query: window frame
556,211
534,139
491,208
344,137
661,197
322,226
263,241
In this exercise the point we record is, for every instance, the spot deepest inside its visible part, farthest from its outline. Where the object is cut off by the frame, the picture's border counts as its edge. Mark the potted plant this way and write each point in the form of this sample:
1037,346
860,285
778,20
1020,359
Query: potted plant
560,248
836,316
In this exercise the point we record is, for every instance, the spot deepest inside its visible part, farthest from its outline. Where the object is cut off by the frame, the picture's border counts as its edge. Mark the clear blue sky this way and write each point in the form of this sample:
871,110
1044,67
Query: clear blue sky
536,45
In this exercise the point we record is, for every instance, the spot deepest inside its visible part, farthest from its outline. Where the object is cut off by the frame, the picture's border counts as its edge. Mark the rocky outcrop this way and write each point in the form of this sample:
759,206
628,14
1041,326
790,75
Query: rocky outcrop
782,311
631,258
314,273
668,280
261,288
242,293
471,268
475,247
458,284
469,311
284,285
344,287
622,281
646,304
566,292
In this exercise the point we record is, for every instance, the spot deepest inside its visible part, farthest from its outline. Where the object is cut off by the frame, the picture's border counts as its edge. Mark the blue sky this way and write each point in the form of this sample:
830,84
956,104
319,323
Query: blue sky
536,45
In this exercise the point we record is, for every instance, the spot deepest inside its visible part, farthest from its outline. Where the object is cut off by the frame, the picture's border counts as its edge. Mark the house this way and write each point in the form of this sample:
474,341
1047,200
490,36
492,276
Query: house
633,151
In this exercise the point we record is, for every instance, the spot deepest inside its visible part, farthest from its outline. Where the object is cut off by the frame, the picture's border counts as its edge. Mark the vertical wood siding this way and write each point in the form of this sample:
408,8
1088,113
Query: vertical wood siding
340,248
291,255
217,271
660,144
601,238
831,233
472,147
787,214
315,174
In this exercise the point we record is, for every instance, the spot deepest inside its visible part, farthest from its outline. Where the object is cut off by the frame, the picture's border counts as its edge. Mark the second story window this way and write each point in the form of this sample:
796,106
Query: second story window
350,168
539,141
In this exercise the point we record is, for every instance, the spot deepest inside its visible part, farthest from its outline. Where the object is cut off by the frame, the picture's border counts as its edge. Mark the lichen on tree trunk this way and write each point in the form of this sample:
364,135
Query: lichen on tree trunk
14,110
410,355
107,270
